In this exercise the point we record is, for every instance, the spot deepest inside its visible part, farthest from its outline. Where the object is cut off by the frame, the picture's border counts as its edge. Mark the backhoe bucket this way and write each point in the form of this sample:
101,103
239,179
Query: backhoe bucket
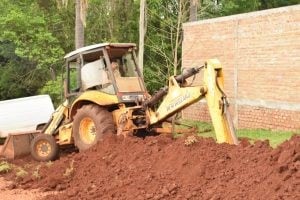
17,145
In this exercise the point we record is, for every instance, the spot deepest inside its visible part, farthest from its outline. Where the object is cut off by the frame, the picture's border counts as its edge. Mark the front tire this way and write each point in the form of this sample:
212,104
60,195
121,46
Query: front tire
90,123
44,148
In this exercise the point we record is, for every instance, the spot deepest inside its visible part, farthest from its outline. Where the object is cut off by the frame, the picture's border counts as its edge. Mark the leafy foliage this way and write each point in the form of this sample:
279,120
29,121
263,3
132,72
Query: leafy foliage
18,76
36,34
26,27
32,49
113,21
54,88
163,40
229,7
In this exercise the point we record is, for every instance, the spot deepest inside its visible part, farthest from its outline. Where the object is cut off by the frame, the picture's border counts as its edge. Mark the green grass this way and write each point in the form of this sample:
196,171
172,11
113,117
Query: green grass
275,137
21,173
5,167
36,173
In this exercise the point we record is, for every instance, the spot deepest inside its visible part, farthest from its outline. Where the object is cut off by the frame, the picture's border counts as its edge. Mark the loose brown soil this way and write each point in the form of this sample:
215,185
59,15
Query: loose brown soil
7,193
164,168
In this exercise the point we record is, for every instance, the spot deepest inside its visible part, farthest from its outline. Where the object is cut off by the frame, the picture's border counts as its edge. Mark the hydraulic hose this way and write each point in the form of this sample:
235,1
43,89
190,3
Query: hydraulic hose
188,73
163,91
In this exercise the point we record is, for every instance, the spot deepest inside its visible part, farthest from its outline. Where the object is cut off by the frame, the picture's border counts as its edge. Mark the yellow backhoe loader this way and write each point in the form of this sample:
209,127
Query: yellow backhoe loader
105,93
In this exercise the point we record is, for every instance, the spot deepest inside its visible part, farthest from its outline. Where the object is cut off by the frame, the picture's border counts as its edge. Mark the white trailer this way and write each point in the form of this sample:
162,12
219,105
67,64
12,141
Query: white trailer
24,114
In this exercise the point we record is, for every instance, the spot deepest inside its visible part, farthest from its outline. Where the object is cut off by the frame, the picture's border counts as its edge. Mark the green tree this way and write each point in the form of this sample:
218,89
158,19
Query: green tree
54,88
230,7
33,48
18,76
36,34
26,27
163,40
112,21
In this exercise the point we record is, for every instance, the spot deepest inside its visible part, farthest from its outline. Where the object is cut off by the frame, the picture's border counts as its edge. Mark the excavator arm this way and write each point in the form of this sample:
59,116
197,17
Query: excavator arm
217,102
177,96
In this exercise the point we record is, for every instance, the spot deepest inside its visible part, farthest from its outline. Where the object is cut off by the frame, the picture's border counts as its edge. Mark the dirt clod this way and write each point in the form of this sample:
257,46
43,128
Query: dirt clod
163,168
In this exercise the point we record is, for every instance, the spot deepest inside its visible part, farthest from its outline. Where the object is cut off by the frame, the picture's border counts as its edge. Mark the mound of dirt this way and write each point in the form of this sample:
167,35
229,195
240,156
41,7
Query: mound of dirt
164,168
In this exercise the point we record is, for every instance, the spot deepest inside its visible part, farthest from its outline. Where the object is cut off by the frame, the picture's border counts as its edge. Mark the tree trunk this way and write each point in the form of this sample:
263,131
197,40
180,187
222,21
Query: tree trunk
79,28
180,19
193,10
142,33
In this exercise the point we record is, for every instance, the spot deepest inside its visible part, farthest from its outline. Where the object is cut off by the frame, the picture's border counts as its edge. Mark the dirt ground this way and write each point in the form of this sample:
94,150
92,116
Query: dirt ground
8,193
164,168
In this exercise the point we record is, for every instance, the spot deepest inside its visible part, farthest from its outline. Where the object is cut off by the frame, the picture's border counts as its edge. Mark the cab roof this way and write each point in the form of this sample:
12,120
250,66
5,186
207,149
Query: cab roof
96,46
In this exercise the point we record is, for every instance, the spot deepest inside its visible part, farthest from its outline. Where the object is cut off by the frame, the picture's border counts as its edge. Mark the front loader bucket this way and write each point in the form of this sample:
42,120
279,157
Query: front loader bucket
17,145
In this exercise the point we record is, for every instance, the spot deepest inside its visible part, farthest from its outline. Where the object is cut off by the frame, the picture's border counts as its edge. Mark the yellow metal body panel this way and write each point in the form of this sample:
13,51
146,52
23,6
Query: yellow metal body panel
212,74
100,98
176,99
65,134
97,97
179,97
63,113
57,117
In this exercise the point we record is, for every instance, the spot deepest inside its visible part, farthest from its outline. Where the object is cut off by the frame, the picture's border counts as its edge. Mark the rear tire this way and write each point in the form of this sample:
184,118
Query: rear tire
90,123
44,148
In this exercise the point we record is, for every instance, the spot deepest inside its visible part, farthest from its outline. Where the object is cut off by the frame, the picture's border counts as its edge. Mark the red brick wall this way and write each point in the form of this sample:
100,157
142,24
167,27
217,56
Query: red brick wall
260,54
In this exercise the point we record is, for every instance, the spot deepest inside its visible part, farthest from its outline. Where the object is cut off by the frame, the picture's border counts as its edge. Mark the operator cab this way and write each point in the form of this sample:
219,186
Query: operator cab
110,68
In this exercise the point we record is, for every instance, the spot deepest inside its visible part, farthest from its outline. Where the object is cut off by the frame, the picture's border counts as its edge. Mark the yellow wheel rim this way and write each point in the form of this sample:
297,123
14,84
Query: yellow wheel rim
87,130
43,148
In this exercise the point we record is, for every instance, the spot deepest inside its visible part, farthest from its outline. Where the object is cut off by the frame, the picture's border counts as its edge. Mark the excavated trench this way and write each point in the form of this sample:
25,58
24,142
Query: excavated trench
164,168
